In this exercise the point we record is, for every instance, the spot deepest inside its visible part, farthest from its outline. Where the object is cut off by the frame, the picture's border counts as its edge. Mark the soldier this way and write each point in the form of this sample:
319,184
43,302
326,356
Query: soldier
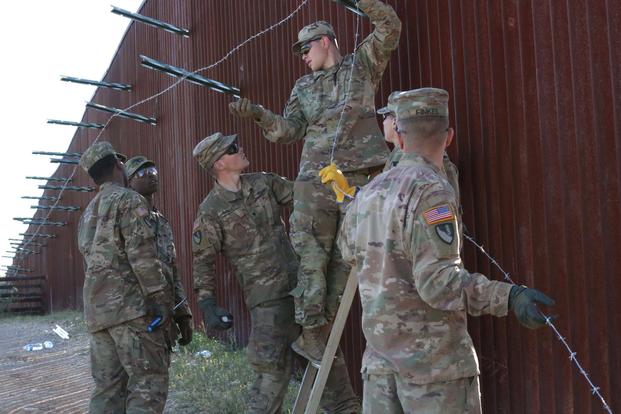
332,109
389,125
401,235
390,135
241,218
124,291
143,178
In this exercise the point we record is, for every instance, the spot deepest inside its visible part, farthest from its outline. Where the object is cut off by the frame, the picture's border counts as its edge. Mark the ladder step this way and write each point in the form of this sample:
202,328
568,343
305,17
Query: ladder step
308,401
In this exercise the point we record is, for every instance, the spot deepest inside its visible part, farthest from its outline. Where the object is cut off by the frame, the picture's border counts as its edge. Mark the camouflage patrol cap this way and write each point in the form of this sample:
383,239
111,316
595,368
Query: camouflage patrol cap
210,149
419,103
136,163
94,153
122,157
311,32
390,106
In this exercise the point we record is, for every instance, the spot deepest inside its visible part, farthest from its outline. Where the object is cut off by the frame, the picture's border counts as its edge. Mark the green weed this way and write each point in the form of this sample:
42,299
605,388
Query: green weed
218,384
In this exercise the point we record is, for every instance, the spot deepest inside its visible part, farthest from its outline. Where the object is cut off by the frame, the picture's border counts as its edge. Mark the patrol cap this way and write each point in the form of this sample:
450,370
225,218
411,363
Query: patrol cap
390,106
136,163
210,149
94,153
312,32
422,103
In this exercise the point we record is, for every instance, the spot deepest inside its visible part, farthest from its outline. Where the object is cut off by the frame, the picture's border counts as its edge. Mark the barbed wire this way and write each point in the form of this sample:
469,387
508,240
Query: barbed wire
351,75
572,355
172,86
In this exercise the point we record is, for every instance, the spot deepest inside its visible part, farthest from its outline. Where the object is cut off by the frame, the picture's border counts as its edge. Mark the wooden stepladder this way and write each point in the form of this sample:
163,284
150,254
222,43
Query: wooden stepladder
315,378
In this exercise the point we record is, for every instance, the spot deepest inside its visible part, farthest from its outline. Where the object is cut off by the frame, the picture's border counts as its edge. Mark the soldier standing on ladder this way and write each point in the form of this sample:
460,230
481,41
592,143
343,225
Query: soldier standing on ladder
339,87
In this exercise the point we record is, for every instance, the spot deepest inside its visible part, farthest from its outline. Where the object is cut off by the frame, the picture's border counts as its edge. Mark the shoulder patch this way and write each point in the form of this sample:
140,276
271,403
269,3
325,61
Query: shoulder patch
439,214
197,236
446,232
141,211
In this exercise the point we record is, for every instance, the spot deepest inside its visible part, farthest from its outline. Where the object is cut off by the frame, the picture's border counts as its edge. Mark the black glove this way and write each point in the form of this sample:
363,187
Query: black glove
523,302
184,323
158,306
214,316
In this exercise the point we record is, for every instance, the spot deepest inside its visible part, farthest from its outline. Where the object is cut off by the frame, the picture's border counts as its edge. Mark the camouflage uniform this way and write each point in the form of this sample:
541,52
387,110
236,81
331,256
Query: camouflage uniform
247,227
395,156
168,257
129,365
401,235
450,170
393,159
166,252
313,113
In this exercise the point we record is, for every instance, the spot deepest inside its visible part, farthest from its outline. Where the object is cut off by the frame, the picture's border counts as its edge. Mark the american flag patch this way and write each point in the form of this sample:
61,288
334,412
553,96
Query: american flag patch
438,214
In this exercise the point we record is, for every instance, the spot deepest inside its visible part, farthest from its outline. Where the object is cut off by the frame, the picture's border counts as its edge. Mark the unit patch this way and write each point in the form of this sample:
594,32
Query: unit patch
446,232
197,237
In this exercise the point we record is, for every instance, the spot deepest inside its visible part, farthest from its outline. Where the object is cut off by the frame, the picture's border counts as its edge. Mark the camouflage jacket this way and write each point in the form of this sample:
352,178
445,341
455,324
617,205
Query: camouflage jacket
400,234
167,254
393,159
247,227
450,170
317,100
120,257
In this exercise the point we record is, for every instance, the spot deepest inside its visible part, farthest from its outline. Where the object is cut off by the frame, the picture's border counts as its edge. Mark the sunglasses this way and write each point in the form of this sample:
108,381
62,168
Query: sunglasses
306,47
232,149
388,114
147,171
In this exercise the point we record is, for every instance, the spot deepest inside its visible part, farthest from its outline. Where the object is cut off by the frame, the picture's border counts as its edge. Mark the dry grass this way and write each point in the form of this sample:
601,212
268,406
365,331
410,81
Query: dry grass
218,384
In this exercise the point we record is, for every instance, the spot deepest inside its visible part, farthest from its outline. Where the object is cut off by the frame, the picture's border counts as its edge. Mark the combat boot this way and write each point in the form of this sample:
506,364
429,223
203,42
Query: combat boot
311,344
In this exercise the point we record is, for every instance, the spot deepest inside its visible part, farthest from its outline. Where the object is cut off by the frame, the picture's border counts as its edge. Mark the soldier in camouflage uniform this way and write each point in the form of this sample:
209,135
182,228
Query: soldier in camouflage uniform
333,111
241,218
124,290
389,125
143,178
401,235
390,135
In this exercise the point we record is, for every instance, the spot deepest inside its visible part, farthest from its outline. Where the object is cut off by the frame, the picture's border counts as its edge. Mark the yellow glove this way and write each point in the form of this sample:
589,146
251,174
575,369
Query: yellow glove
340,186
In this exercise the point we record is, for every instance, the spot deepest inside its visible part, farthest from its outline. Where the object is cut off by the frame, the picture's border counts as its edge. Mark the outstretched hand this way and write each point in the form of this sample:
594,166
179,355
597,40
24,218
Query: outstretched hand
523,302
244,108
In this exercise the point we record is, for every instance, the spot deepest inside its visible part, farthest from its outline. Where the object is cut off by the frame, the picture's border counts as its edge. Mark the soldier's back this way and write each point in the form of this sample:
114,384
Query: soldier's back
111,292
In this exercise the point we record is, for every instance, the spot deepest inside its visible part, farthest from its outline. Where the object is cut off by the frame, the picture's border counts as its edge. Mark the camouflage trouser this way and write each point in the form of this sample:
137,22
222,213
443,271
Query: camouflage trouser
322,274
271,357
391,394
130,369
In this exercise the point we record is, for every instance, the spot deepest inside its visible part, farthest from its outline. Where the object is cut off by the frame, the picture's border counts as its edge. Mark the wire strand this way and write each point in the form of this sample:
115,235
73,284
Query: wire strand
19,259
348,89
572,354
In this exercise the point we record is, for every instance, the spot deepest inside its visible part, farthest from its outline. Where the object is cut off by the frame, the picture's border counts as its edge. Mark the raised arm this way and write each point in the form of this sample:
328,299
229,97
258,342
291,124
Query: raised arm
376,49
284,129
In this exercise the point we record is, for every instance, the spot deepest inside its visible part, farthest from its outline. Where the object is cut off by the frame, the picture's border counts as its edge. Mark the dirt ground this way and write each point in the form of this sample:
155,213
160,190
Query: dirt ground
56,380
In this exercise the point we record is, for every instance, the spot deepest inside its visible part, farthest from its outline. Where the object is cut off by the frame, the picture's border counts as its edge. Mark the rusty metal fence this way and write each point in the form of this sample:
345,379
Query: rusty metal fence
535,96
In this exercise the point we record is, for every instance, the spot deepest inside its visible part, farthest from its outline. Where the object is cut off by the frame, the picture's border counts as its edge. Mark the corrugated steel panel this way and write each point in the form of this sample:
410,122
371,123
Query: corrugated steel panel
535,96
